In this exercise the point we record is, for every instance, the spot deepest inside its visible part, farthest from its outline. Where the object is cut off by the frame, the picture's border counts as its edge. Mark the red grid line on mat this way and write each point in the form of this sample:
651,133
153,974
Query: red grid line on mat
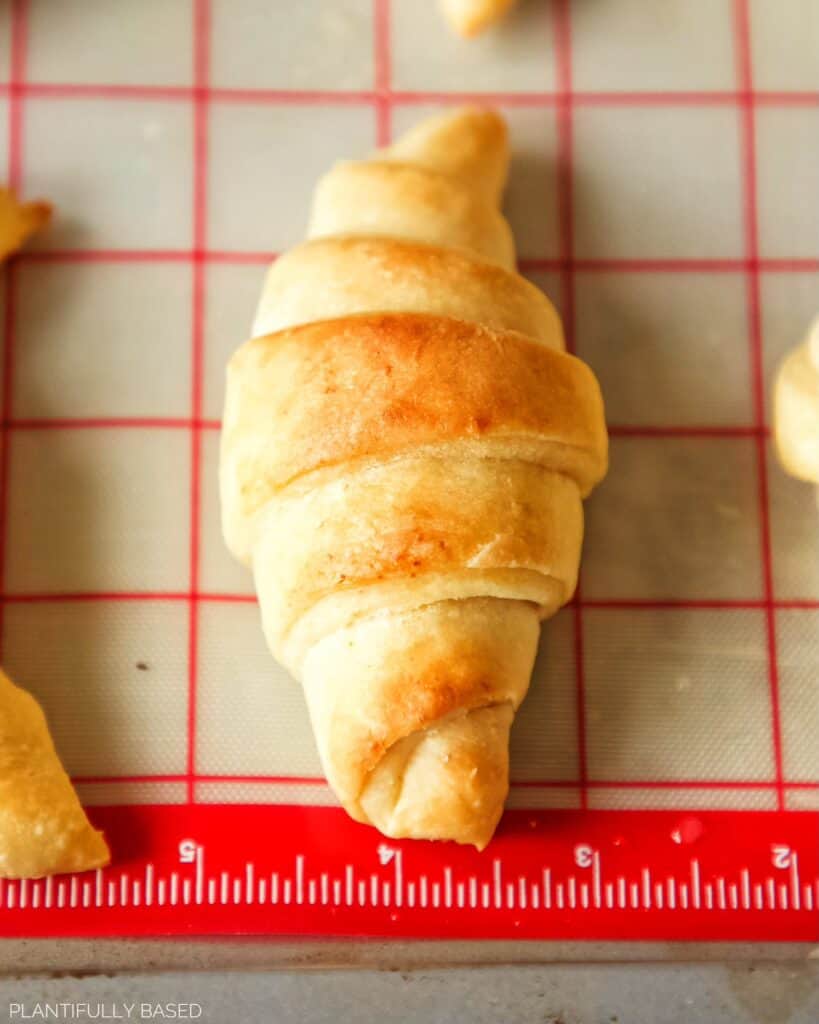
345,97
382,59
703,430
201,51
635,604
620,266
562,29
319,780
19,27
744,61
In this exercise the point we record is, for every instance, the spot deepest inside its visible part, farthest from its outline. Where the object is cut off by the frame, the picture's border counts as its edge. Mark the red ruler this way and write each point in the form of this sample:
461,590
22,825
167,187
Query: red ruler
236,869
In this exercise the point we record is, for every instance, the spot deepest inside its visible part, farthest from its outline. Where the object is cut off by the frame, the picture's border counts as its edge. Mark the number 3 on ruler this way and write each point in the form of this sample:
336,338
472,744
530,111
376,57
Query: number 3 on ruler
782,856
583,856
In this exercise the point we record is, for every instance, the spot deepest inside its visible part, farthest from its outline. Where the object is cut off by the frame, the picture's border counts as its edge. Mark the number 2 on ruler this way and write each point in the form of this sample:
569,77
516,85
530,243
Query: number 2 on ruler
782,856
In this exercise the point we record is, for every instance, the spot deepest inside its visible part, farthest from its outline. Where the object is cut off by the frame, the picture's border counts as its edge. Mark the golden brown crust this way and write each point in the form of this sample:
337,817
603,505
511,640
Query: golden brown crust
342,276
380,385
43,828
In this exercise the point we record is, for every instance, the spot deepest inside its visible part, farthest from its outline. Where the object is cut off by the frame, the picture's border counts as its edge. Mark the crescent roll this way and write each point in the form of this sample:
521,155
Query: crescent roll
796,409
405,450
469,17
43,828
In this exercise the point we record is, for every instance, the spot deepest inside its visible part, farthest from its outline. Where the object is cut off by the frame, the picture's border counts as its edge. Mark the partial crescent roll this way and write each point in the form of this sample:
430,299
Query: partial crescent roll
469,17
19,221
43,828
796,409
404,452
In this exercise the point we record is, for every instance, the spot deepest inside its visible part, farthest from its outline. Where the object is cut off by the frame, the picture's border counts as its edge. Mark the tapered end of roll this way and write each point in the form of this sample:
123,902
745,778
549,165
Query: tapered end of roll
469,17
412,711
469,145
449,782
43,828
796,410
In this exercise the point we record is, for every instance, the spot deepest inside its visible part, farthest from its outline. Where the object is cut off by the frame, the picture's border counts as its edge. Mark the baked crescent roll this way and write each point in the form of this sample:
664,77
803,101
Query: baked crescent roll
43,828
469,17
405,448
796,409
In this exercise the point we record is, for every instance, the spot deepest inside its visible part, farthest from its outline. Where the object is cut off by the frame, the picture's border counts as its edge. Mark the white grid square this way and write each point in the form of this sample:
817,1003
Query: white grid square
103,339
530,798
515,56
129,715
98,510
105,42
798,661
219,572
682,798
787,156
530,201
794,516
675,519
677,694
231,294
785,44
696,365
656,182
262,45
260,153
543,744
251,717
107,794
119,174
692,46
302,794
802,799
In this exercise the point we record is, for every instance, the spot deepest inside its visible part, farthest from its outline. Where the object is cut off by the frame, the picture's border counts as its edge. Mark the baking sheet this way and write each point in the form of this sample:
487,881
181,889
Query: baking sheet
662,193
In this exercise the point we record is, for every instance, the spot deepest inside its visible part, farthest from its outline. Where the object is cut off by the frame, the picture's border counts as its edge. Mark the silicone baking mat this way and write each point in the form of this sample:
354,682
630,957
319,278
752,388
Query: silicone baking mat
665,766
